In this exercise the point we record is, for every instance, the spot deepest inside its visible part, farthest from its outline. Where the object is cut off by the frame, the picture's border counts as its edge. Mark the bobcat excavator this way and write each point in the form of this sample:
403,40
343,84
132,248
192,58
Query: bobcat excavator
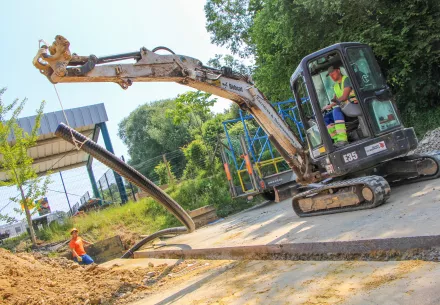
330,179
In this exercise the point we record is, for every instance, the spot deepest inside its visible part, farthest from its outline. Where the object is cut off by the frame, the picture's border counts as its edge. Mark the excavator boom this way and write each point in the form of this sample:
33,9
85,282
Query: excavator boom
60,66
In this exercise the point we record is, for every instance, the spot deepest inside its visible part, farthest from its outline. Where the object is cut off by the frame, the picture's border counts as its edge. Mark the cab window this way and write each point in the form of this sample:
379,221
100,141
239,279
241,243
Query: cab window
323,84
312,131
368,75
383,114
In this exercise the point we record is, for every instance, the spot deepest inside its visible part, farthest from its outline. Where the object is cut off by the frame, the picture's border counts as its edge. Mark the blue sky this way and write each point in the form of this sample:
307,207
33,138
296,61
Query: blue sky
100,28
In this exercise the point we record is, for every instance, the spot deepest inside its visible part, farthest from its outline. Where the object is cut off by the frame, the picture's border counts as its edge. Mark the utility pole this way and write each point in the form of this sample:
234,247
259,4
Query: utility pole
67,196
170,176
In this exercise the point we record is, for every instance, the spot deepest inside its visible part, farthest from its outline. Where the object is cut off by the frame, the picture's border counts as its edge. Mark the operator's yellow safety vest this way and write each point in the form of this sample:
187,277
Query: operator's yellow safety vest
339,90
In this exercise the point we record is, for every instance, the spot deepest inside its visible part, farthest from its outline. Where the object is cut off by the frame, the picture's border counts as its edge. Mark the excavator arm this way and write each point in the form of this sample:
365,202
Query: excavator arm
60,66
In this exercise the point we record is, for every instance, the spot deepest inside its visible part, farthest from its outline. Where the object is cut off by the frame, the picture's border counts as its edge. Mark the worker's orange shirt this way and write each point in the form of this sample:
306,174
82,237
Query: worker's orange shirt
77,245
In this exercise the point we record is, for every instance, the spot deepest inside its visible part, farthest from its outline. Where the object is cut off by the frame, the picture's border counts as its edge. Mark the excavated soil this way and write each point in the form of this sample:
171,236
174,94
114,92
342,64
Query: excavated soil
30,279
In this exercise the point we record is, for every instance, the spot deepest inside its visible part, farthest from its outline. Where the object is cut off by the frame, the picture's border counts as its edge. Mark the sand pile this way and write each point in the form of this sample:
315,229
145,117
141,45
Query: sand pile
34,279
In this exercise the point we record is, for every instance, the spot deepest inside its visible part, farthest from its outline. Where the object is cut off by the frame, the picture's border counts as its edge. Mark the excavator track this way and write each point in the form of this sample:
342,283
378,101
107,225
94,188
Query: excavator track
427,167
342,196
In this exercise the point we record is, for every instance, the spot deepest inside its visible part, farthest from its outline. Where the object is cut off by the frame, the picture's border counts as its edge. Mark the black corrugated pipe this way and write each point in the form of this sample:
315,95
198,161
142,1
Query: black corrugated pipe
135,177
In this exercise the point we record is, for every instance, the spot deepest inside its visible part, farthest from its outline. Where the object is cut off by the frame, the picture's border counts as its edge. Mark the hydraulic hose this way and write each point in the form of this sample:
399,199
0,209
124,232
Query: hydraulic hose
87,145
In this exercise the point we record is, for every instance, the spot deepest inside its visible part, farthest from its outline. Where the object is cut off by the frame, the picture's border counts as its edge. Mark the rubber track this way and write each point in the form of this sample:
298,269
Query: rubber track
135,177
434,156
377,184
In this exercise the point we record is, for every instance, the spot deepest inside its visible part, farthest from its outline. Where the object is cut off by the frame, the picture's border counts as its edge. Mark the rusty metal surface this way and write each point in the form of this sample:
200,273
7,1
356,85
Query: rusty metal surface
204,215
285,191
377,184
106,249
370,249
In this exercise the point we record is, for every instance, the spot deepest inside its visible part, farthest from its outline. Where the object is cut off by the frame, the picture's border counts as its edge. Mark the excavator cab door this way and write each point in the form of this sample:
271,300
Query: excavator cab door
371,87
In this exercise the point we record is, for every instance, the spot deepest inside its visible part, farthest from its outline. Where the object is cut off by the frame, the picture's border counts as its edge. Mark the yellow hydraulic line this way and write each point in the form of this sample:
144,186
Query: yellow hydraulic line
273,162
257,165
241,181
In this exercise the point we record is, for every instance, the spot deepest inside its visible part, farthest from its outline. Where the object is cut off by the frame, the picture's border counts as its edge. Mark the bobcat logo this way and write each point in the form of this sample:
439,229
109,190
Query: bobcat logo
365,79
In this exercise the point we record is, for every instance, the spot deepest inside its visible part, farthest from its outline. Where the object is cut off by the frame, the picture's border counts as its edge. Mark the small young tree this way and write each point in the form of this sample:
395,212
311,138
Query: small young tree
165,173
15,161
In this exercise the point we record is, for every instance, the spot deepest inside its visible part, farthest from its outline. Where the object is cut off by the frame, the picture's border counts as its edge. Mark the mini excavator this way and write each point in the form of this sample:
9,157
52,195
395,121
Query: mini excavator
330,179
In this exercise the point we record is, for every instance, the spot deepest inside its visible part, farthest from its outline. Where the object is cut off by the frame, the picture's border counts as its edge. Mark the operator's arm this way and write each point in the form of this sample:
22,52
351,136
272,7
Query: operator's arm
74,253
331,105
85,242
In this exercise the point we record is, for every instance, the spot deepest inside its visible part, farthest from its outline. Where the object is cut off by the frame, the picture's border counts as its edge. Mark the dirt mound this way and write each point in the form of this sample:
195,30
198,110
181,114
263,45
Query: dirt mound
33,279
430,142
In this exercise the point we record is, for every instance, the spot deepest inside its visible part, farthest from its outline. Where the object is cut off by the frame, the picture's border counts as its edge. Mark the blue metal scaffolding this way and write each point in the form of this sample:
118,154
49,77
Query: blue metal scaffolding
288,112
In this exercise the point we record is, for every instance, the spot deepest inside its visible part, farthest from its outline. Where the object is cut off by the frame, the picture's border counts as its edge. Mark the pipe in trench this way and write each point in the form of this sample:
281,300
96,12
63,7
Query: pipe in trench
87,145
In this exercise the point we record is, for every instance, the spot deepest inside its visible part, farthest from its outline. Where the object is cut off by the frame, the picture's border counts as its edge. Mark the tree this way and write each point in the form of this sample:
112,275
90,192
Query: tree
229,61
165,173
230,21
148,133
405,36
196,154
192,108
15,162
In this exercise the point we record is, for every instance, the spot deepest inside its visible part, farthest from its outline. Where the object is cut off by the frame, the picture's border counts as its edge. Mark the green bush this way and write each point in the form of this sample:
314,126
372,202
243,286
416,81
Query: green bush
162,171
196,155
56,230
196,193
11,243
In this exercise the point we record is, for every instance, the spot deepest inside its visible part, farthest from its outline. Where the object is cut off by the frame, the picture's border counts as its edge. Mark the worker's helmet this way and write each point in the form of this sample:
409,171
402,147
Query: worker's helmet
73,230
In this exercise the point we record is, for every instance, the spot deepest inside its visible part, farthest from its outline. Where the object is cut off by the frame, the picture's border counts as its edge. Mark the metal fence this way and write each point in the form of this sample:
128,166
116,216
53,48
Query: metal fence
70,191
110,189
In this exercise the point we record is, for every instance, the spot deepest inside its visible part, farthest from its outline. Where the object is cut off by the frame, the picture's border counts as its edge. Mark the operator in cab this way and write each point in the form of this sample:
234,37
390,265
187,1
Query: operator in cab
334,119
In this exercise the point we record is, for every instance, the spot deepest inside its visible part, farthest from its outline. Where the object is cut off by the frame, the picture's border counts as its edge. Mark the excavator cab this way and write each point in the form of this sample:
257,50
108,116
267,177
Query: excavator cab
372,123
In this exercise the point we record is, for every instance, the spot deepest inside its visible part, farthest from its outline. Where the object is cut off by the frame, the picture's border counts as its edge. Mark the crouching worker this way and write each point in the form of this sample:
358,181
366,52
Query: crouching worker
77,246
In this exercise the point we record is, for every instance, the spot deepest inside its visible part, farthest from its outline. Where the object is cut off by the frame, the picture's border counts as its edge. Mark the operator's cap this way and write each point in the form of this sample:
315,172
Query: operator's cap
73,230
331,69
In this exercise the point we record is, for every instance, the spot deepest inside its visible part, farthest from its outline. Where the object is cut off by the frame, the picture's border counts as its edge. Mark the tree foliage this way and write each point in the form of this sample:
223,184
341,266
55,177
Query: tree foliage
196,155
16,163
229,61
162,171
148,132
229,21
405,36
192,108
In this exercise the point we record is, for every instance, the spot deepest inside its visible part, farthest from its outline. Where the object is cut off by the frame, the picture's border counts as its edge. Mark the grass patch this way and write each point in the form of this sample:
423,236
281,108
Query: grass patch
147,216
12,243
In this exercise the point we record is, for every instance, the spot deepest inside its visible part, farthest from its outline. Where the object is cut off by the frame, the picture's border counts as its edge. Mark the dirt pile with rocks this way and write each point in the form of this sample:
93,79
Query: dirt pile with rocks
430,142
35,279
